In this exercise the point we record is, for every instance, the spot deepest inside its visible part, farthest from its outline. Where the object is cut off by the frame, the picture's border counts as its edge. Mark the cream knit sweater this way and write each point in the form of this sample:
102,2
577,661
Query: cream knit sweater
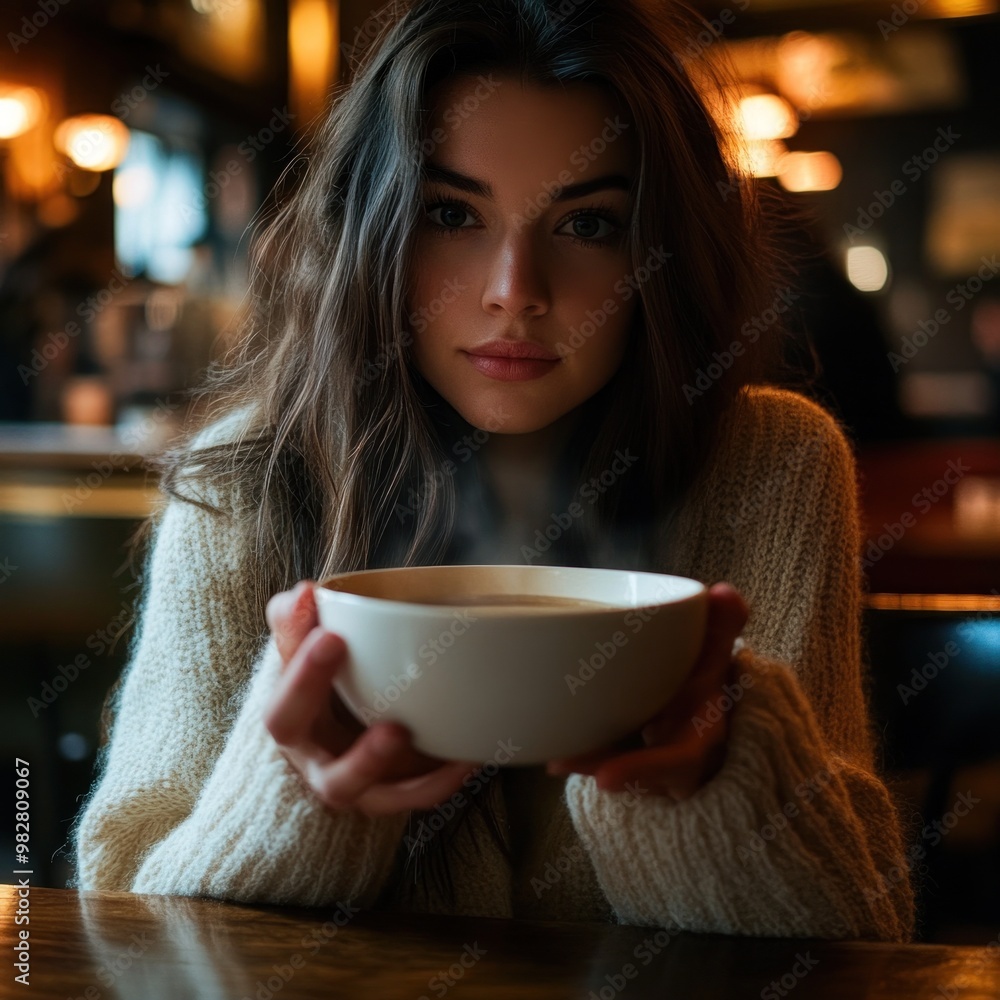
795,836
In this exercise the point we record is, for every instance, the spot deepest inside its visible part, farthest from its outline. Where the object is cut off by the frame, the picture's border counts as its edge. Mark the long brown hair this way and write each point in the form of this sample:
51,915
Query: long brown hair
345,428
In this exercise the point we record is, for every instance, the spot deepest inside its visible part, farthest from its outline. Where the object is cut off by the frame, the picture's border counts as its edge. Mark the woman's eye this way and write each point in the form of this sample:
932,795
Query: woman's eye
587,228
449,216
591,227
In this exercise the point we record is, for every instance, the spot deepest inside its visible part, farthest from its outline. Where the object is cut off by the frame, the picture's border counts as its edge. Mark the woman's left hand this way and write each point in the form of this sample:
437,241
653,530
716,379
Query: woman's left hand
683,749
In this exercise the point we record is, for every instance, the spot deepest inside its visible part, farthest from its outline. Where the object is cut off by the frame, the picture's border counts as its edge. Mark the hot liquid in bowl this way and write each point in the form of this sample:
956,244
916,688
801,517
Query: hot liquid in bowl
523,603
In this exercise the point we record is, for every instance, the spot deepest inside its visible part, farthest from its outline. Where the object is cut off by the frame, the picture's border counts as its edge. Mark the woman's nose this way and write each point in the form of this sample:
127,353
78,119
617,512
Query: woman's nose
517,280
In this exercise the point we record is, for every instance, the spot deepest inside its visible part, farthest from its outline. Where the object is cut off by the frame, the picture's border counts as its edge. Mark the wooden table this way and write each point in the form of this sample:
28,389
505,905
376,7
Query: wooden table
95,944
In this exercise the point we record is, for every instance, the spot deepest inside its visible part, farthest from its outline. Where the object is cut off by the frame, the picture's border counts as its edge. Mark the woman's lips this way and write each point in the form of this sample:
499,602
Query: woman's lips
512,369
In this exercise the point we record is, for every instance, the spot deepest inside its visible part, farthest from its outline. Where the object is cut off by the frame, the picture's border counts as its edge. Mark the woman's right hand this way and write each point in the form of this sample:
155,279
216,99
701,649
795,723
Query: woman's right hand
375,770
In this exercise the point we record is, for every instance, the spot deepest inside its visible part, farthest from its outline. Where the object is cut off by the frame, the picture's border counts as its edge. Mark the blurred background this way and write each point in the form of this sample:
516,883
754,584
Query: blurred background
138,140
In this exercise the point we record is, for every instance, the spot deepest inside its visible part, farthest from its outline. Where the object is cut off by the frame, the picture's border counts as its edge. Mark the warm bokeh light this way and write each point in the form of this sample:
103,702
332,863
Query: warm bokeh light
960,8
766,116
977,506
867,268
228,33
806,68
20,109
312,49
133,186
760,157
215,8
58,210
93,142
800,171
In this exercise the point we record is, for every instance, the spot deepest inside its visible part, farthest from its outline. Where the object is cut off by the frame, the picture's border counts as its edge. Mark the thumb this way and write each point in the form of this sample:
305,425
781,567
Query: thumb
727,616
292,616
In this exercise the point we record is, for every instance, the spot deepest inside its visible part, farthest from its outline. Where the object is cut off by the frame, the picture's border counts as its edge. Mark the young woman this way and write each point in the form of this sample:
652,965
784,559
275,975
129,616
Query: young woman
518,278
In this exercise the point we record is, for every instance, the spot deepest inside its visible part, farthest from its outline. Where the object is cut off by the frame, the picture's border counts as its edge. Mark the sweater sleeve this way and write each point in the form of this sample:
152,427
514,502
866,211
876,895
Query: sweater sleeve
194,796
795,835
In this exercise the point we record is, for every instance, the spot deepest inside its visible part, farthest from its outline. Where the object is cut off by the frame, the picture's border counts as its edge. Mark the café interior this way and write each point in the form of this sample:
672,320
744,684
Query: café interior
139,140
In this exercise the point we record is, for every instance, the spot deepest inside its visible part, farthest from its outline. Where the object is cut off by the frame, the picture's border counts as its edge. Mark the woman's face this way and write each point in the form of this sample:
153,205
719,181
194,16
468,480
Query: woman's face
526,198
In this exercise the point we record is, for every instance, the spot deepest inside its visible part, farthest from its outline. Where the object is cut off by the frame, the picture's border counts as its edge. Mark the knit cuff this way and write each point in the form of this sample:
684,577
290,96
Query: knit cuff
772,845
257,834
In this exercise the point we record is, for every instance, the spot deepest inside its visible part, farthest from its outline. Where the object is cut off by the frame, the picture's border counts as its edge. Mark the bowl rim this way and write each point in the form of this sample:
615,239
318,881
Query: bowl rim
449,610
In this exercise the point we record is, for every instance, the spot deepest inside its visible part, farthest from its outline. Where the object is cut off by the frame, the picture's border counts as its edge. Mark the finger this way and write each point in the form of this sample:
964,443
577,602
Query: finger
278,605
305,687
424,792
690,758
377,754
292,615
407,762
727,616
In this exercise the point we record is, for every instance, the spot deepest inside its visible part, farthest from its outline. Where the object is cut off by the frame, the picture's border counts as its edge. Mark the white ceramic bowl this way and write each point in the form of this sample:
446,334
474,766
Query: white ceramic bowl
516,684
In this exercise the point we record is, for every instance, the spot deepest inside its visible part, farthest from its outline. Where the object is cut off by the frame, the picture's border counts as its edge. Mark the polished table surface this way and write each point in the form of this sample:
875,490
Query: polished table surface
107,944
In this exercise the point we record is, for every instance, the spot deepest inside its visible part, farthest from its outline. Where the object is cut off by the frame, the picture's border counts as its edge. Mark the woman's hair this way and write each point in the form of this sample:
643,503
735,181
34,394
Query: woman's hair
345,432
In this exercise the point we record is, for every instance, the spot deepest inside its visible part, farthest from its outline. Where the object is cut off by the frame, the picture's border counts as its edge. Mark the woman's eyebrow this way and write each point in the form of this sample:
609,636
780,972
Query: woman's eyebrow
444,175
